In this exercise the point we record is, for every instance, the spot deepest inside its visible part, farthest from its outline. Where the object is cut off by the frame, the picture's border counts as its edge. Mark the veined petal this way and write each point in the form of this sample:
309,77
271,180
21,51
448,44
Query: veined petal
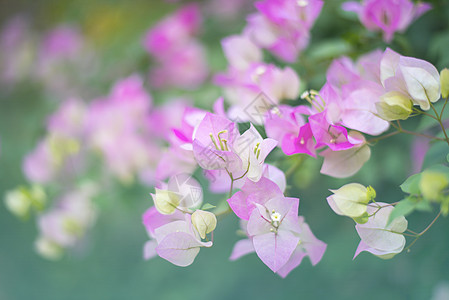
275,249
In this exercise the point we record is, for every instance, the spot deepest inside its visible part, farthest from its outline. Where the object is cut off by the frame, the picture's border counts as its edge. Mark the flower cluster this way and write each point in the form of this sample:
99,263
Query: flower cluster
62,60
267,118
180,57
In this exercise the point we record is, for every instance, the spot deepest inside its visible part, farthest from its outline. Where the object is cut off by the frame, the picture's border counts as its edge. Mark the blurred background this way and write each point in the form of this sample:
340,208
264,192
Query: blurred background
108,264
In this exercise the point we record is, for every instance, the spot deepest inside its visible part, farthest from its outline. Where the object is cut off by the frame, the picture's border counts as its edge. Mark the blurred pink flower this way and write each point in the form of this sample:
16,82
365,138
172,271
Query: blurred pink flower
283,26
180,58
389,16
17,51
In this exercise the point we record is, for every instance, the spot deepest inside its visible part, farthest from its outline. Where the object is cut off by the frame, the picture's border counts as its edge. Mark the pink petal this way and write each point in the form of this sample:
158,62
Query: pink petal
179,248
341,164
275,249
149,249
242,248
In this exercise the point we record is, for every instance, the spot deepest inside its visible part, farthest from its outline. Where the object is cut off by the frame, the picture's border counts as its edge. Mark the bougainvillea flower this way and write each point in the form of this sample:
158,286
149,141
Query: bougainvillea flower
283,26
413,77
152,220
253,150
284,120
350,200
346,163
240,51
186,68
352,92
16,46
179,242
308,245
272,227
303,143
377,236
257,89
243,202
220,182
388,16
173,31
213,144
66,223
325,134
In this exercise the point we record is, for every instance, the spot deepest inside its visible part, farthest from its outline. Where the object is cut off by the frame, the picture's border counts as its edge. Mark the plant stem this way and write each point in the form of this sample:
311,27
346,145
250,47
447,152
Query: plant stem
383,137
440,122
418,235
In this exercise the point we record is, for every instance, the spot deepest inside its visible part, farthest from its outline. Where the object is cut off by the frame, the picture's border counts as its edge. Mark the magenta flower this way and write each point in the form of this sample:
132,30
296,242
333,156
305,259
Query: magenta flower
173,31
303,143
62,42
283,26
333,136
389,16
180,57
186,68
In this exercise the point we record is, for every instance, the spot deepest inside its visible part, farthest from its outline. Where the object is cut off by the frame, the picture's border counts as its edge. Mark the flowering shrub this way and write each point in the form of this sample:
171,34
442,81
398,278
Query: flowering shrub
236,147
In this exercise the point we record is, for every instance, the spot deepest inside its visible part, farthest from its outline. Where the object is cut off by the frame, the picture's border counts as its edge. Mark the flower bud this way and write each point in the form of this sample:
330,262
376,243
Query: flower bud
22,199
166,201
432,183
350,200
444,80
37,196
48,249
394,106
204,221
18,203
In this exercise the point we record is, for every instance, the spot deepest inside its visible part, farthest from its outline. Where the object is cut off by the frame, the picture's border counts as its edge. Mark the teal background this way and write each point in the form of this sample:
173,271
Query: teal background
109,264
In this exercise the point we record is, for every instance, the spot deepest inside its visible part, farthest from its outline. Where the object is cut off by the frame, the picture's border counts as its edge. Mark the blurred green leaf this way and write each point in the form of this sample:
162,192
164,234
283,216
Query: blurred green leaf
207,206
411,185
403,208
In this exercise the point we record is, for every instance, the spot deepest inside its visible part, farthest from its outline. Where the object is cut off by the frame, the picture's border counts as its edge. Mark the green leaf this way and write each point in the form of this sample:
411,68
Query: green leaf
411,185
329,49
440,169
424,205
403,208
207,206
